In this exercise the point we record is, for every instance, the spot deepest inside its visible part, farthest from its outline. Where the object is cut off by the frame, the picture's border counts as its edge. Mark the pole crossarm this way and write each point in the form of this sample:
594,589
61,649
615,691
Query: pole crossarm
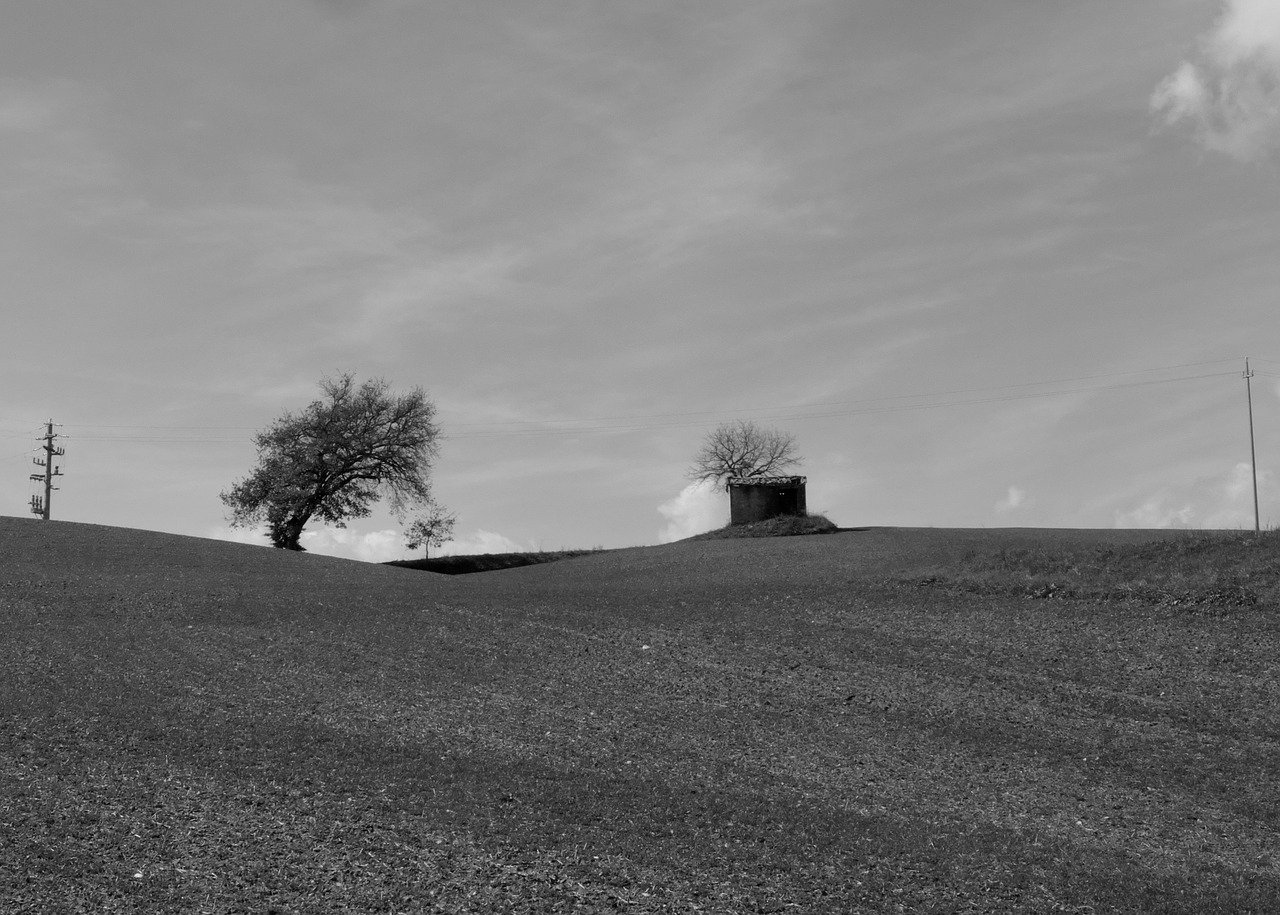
42,506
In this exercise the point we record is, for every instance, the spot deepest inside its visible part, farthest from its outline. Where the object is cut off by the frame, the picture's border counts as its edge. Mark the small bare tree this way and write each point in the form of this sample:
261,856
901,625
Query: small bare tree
742,449
435,528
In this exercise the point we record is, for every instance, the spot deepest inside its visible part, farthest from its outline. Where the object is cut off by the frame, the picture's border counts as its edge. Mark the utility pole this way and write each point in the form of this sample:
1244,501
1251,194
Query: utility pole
1253,460
41,506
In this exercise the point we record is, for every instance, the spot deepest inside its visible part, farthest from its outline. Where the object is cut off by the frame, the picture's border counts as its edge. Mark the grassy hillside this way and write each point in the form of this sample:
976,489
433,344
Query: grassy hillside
779,526
874,721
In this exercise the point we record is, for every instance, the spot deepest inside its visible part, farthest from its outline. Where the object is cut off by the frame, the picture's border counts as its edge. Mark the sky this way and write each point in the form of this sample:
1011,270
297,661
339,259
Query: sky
993,263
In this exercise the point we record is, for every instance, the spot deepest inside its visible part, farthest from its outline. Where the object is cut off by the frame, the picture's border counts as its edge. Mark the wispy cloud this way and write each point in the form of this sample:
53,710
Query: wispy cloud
344,7
48,146
355,275
1230,93
405,289
678,160
666,204
23,110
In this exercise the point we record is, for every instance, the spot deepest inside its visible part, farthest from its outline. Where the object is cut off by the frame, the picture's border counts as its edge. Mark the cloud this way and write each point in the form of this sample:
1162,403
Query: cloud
374,546
1015,498
1222,501
1230,94
480,542
698,508
386,545
1160,510
49,147
405,289
370,546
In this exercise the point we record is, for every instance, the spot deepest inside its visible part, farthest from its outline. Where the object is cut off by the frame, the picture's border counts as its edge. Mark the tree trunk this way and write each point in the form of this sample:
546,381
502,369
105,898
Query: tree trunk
293,534
285,535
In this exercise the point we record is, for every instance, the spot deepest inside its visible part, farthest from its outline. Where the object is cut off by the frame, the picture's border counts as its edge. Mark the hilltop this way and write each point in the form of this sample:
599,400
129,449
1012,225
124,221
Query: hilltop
881,720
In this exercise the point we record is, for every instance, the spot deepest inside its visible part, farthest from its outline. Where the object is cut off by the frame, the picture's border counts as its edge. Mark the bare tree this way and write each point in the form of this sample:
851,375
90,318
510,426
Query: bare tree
742,449
435,528
336,458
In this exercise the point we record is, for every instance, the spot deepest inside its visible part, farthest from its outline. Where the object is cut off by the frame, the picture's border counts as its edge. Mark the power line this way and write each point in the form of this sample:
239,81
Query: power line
138,426
872,407
782,410
675,419
152,439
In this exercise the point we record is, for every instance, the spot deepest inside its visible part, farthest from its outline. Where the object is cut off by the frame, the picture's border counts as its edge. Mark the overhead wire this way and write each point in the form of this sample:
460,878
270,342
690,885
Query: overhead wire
154,434
29,431
892,397
868,407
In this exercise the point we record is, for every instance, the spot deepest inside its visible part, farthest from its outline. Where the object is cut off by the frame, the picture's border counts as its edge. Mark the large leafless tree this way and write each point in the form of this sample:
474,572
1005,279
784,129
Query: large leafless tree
335,459
742,449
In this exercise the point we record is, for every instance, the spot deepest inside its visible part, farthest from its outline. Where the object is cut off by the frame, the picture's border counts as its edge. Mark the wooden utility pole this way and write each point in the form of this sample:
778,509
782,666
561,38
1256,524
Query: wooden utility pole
1253,460
40,506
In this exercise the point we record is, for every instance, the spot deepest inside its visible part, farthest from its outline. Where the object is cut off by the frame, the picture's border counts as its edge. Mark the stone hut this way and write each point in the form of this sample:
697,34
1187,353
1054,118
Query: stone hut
762,498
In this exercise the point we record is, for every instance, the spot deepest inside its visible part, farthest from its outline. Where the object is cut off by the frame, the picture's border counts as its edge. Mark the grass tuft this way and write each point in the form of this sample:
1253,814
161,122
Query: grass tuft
1210,570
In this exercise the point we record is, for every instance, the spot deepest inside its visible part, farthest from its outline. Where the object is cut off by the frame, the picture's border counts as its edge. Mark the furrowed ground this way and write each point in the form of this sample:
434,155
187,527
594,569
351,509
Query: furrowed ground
887,720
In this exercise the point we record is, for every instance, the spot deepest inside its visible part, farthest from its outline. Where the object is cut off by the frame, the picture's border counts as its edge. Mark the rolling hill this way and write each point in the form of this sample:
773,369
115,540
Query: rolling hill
883,720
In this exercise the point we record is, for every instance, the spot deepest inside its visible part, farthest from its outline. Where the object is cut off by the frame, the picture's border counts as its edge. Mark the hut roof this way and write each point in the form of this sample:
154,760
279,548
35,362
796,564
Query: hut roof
767,481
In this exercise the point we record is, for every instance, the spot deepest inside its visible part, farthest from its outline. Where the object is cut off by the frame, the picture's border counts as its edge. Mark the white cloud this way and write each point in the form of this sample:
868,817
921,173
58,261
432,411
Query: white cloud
370,546
1015,498
1230,94
375,546
1182,94
480,542
698,508
1222,501
1159,510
